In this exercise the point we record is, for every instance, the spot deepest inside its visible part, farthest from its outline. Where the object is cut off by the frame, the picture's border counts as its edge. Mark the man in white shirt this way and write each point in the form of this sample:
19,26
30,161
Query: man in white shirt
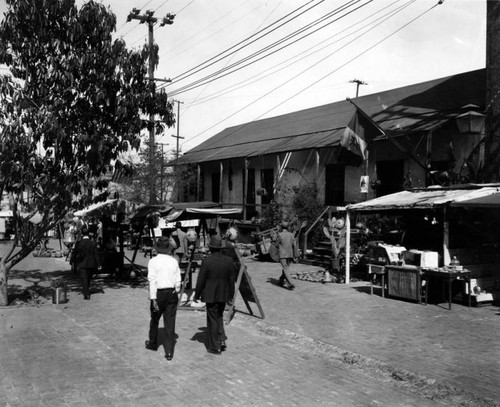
164,276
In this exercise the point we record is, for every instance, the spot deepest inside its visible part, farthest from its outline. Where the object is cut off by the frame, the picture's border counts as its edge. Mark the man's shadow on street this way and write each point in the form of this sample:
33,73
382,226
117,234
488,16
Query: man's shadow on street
273,281
200,336
162,338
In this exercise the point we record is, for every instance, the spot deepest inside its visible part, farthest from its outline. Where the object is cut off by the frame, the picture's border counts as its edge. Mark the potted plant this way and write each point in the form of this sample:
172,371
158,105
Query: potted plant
59,291
335,231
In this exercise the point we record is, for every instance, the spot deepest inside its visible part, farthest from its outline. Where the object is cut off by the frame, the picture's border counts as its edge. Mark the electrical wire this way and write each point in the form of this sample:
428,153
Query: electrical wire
292,60
258,28
220,56
315,82
220,74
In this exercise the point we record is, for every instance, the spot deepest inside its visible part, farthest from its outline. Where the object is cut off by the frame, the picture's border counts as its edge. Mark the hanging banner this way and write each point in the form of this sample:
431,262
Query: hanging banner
363,184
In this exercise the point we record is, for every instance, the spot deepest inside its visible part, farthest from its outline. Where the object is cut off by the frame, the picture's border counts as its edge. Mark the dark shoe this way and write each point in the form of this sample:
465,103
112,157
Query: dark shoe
86,297
291,287
151,347
214,351
223,346
169,356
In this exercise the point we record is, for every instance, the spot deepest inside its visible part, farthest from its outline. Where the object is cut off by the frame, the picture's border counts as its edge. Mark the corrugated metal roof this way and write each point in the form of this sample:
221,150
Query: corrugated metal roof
420,199
410,109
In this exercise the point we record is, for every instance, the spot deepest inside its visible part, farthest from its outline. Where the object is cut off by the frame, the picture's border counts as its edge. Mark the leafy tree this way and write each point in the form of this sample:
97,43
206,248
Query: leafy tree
75,100
136,186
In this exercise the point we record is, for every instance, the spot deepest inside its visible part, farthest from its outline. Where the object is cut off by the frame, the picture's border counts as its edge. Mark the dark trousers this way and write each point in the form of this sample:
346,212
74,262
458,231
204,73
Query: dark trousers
285,275
167,303
86,276
215,325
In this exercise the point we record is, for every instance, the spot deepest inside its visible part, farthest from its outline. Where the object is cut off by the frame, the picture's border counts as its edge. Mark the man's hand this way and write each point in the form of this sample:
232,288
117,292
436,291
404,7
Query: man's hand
155,306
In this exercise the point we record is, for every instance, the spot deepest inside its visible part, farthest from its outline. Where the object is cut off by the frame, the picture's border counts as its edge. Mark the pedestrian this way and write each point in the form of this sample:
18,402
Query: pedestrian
181,241
215,287
86,260
164,276
285,242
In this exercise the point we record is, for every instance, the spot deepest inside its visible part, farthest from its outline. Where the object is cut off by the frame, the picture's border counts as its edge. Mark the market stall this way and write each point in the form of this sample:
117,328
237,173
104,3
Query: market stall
209,215
432,234
107,223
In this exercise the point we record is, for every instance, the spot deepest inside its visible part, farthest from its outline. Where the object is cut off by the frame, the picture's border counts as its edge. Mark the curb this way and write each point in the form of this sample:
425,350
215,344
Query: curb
414,383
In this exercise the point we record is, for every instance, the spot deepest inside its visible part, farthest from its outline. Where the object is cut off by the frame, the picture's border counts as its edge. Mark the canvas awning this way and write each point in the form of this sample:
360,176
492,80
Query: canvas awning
423,199
201,213
488,202
100,208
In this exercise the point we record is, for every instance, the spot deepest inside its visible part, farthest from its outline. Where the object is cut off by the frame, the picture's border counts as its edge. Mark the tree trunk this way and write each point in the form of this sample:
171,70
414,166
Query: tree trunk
4,300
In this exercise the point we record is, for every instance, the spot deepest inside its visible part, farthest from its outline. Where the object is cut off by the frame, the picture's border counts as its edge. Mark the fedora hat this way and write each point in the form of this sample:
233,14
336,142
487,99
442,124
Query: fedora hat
215,242
165,245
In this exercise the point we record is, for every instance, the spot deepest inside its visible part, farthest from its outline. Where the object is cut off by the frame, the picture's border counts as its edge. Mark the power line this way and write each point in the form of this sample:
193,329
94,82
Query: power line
220,56
296,58
323,77
220,73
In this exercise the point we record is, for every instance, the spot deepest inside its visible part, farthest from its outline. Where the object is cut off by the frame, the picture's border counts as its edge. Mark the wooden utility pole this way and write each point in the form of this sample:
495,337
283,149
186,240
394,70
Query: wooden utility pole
358,82
178,125
148,18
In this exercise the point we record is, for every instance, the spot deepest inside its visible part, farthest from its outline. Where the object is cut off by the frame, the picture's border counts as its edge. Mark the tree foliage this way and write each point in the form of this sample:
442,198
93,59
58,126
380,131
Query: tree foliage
75,99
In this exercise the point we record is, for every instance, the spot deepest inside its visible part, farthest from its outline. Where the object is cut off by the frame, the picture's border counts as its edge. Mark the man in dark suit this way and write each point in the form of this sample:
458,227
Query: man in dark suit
215,286
87,261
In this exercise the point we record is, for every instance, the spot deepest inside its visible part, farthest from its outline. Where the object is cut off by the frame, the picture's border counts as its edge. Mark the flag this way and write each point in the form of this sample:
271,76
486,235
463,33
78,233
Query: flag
353,138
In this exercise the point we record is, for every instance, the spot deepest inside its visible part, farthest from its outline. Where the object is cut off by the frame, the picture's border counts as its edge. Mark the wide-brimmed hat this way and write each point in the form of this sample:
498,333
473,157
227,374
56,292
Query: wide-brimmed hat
165,245
215,242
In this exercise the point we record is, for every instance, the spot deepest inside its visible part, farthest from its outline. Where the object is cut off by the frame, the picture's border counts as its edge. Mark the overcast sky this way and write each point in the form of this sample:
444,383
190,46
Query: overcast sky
385,43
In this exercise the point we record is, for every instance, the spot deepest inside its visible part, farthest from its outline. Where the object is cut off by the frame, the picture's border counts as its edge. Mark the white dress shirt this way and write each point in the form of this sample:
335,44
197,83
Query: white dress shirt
163,272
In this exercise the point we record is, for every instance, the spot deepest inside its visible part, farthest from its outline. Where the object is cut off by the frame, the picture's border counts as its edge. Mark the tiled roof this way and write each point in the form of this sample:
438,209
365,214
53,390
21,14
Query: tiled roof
410,109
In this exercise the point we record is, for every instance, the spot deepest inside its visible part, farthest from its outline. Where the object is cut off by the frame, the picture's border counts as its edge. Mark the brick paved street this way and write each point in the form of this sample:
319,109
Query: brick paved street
319,345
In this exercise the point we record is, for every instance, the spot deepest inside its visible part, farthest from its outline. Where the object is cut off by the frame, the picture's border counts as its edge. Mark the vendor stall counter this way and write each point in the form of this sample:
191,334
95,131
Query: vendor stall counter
404,282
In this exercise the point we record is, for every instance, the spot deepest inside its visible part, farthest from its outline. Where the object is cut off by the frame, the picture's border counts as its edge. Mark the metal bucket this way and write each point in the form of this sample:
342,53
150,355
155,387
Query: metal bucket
59,296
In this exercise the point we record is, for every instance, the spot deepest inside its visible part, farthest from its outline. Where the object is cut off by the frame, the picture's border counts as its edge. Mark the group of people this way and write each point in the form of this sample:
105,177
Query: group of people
215,287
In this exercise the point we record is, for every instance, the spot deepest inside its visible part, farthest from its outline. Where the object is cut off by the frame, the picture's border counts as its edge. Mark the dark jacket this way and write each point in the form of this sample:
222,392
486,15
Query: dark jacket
216,279
85,254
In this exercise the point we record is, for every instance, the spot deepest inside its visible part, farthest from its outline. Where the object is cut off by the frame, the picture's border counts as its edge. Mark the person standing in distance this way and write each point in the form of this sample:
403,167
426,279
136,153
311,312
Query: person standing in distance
215,287
182,246
286,251
164,276
86,260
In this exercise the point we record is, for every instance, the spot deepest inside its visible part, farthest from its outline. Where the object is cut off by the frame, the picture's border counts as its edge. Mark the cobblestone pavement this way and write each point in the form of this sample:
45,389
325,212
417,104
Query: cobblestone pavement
319,345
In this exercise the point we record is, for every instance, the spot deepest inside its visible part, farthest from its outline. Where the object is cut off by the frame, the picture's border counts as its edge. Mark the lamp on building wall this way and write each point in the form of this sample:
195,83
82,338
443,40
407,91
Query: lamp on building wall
471,122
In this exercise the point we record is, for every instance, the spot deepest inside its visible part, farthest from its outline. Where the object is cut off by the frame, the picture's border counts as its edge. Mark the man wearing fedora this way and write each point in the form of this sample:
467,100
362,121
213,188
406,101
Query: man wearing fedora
215,287
86,260
164,276
286,250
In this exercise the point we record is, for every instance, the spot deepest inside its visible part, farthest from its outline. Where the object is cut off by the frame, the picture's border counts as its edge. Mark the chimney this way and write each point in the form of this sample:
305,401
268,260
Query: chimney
492,141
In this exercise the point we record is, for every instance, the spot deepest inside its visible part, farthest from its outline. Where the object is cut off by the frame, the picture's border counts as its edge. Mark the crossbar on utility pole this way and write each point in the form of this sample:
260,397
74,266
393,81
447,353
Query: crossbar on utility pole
358,82
148,18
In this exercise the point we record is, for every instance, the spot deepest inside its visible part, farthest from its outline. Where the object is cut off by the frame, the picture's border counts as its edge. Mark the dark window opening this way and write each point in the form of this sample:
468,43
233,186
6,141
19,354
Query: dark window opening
267,184
215,186
334,184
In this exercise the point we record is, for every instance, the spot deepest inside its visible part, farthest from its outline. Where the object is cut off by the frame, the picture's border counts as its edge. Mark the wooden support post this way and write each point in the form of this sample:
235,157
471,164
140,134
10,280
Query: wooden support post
221,184
245,187
347,247
198,182
446,238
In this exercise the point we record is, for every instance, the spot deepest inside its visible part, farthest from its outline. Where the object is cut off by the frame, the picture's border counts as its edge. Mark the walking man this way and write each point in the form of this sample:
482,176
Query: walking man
181,242
86,260
286,250
215,287
164,276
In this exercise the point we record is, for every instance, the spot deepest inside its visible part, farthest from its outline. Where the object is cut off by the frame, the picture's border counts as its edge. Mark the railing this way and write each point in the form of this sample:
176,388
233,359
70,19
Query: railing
328,208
